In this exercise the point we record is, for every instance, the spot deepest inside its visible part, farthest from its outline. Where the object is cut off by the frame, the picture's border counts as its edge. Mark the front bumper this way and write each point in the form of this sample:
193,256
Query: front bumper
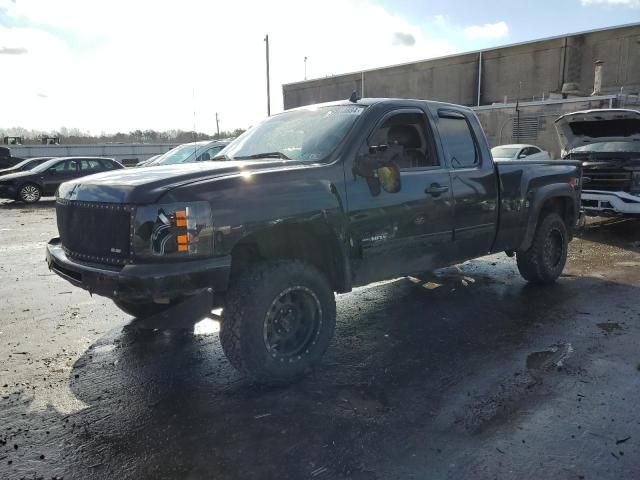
150,282
602,203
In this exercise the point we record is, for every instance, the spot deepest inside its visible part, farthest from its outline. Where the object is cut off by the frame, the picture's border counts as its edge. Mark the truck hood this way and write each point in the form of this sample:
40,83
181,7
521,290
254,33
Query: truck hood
592,126
146,185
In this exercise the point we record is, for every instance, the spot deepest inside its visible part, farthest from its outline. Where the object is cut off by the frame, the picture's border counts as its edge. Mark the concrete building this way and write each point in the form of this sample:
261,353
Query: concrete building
540,74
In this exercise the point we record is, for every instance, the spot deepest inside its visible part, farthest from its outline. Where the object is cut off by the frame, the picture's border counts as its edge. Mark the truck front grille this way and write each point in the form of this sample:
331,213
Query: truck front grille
95,232
613,180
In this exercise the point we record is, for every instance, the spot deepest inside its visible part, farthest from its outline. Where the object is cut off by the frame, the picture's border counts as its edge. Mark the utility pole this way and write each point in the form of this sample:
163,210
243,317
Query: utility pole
266,39
518,112
217,124
305,68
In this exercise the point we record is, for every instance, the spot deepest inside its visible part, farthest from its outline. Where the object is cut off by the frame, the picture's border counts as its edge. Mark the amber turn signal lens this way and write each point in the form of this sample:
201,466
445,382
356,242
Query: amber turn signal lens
181,218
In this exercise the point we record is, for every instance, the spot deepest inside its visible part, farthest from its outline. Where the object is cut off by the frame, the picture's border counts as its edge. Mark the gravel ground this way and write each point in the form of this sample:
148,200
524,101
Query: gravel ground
468,373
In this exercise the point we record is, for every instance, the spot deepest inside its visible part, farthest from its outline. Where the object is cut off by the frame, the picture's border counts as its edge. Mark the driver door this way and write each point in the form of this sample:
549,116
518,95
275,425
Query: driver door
396,234
59,173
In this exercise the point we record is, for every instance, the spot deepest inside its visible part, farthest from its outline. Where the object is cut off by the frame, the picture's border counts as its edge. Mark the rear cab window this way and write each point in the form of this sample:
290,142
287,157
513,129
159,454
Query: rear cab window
458,139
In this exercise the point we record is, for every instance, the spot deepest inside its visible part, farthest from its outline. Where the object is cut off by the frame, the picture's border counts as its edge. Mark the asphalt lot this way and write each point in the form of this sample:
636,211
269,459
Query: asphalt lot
481,377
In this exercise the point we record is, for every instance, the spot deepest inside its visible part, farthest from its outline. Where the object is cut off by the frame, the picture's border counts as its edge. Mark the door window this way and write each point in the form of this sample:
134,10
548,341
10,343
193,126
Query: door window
68,166
409,131
209,154
107,164
90,165
460,144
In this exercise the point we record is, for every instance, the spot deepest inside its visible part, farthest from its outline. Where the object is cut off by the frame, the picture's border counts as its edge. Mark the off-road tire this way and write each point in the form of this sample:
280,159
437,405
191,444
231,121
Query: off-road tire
250,299
29,193
140,309
545,259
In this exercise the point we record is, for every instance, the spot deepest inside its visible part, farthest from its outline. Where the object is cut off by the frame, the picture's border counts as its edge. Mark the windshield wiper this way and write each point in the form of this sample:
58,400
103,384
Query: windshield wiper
264,155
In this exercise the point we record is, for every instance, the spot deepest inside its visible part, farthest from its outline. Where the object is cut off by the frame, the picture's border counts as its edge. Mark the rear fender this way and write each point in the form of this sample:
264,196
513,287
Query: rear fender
540,198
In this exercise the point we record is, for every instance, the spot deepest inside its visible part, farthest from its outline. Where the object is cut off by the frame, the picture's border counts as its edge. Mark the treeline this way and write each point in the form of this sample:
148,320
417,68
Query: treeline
75,136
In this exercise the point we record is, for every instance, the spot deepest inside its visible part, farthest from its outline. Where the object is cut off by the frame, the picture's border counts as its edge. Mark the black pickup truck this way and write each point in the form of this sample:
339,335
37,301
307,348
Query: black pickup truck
310,202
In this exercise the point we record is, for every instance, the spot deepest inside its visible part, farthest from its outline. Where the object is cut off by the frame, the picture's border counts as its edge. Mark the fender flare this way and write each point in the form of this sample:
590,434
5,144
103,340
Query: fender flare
341,260
540,197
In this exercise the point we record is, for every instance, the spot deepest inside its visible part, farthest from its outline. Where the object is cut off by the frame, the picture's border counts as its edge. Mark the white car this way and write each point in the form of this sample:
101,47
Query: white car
519,151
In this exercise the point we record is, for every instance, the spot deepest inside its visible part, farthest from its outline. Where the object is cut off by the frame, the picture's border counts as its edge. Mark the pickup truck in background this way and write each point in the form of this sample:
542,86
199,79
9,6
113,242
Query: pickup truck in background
607,142
311,201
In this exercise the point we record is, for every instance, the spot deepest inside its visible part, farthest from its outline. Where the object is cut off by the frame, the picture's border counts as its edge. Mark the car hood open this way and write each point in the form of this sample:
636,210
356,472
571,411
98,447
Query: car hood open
593,126
146,185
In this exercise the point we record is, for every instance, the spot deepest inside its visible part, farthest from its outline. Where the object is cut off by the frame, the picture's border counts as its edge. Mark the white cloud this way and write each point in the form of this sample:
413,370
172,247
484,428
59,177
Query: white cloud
122,65
623,3
488,30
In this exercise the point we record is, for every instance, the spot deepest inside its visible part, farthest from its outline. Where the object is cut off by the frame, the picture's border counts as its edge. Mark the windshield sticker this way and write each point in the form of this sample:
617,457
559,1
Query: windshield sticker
344,111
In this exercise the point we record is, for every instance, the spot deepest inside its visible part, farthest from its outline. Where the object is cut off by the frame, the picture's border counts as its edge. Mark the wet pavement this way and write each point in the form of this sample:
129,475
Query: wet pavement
466,374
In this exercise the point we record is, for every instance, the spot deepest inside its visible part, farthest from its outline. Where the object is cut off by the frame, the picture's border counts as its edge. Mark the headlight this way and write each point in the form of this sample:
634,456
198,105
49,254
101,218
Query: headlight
635,183
173,230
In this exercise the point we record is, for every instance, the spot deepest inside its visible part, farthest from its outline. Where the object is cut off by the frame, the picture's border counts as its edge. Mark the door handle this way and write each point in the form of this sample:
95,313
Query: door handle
436,189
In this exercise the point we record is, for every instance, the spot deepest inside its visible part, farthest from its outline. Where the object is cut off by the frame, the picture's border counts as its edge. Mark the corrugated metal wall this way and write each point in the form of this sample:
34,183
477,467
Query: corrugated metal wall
123,152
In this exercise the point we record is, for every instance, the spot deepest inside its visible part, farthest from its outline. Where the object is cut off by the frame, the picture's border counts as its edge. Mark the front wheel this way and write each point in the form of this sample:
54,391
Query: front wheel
544,261
278,320
29,193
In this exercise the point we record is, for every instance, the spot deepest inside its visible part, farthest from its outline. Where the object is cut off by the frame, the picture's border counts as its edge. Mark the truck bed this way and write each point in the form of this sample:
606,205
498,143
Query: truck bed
520,181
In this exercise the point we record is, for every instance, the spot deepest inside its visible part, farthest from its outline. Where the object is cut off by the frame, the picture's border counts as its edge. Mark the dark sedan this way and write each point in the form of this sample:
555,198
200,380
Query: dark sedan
45,179
25,165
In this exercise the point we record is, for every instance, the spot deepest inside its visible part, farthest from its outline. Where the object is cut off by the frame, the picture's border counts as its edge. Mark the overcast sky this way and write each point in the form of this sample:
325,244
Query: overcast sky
120,65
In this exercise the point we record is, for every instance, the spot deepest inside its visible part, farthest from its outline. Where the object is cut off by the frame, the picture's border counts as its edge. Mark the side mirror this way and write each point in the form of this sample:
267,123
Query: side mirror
52,171
380,168
522,155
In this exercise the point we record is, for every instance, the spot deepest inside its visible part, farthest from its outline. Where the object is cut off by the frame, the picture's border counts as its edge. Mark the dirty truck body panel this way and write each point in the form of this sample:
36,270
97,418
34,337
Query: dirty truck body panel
454,204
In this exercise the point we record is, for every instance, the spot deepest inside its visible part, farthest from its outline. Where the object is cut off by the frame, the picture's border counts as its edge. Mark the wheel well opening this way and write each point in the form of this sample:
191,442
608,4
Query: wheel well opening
564,207
317,245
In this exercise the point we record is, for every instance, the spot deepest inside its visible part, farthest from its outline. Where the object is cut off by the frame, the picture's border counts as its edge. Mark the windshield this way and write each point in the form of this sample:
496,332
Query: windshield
502,152
309,135
43,166
178,154
21,164
608,147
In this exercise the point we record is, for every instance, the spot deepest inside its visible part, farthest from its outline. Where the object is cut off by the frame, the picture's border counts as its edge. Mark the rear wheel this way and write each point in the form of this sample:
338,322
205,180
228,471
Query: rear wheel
278,321
29,193
544,261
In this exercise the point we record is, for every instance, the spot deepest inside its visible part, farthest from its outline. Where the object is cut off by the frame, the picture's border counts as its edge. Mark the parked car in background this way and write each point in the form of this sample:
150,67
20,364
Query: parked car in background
190,152
607,142
519,151
45,178
25,165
